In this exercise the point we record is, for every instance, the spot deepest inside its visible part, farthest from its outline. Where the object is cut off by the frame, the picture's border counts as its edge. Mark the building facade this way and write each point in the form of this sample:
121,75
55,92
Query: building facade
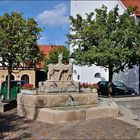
24,74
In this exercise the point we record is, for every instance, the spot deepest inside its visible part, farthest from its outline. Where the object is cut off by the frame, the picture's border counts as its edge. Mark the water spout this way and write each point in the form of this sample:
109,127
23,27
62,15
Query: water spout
72,99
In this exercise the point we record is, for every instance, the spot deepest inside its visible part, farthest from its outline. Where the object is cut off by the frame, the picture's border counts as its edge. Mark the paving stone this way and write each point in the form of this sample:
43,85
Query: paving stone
15,127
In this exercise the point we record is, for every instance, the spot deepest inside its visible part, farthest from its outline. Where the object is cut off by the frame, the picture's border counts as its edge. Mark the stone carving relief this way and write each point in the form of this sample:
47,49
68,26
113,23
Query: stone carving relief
59,71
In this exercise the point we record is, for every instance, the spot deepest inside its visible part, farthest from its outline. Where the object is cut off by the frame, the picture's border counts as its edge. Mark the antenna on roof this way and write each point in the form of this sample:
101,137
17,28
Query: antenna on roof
49,42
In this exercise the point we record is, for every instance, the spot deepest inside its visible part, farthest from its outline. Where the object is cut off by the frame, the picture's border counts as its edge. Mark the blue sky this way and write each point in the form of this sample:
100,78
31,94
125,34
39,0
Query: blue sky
51,15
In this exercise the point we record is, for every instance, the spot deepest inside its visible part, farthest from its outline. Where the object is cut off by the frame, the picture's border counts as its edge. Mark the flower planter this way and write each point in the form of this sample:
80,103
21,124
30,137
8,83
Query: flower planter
92,86
28,91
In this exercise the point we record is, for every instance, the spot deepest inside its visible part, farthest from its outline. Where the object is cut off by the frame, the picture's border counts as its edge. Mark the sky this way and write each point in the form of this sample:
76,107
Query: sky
51,15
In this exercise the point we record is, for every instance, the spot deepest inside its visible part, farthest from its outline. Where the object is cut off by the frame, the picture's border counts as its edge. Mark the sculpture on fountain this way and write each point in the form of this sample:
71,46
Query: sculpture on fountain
59,71
59,78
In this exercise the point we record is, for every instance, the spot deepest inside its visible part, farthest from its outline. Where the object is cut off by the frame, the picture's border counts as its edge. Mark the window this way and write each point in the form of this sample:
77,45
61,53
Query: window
25,78
78,77
97,75
11,77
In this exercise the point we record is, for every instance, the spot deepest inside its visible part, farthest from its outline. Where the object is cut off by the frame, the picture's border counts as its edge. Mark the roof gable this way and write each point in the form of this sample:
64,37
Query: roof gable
132,3
46,49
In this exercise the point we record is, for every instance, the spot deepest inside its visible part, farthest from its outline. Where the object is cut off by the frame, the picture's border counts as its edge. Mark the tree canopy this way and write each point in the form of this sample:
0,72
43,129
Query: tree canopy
106,39
18,41
53,57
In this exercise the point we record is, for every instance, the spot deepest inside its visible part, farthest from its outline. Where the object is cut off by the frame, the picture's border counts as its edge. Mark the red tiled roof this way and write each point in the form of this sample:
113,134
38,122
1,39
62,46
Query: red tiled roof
132,3
138,14
46,49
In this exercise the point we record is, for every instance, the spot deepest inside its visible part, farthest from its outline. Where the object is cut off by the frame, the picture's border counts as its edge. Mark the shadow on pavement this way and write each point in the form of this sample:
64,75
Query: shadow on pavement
10,123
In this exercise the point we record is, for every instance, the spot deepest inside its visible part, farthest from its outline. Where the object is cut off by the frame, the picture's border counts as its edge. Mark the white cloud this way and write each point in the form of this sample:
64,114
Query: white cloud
55,17
43,40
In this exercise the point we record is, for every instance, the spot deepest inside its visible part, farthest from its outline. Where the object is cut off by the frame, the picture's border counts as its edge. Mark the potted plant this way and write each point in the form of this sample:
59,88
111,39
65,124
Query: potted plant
27,86
89,86
28,89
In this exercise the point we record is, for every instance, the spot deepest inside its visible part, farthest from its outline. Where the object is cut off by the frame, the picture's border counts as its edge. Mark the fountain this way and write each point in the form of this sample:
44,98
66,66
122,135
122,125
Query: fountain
59,100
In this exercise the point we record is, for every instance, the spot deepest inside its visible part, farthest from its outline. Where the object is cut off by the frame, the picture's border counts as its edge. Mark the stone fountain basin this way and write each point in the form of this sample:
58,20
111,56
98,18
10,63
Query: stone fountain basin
77,113
57,99
57,108
28,104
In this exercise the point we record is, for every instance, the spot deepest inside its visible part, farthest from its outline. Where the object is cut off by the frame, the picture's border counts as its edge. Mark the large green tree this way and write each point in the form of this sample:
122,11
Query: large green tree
18,42
53,57
106,39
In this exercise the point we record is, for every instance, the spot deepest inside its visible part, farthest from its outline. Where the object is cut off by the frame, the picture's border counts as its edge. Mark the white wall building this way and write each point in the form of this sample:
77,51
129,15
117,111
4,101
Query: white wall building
94,73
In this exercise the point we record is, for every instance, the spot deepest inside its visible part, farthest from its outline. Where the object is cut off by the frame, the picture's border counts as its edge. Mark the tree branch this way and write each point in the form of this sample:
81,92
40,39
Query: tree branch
122,66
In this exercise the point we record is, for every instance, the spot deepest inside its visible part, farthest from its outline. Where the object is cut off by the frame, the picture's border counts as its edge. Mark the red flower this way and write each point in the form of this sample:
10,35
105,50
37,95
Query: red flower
89,85
28,85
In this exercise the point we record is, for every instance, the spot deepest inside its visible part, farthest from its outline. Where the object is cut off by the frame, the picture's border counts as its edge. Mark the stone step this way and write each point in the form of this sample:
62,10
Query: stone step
5,106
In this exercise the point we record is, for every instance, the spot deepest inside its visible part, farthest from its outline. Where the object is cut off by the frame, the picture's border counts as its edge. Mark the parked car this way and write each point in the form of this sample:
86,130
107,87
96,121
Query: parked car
15,87
114,88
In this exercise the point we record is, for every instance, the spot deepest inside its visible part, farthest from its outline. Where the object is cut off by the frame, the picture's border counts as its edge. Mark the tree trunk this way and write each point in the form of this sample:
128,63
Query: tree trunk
8,86
110,73
139,76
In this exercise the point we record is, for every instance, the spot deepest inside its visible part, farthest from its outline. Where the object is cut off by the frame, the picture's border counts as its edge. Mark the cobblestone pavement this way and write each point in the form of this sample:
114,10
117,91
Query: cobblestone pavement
15,127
